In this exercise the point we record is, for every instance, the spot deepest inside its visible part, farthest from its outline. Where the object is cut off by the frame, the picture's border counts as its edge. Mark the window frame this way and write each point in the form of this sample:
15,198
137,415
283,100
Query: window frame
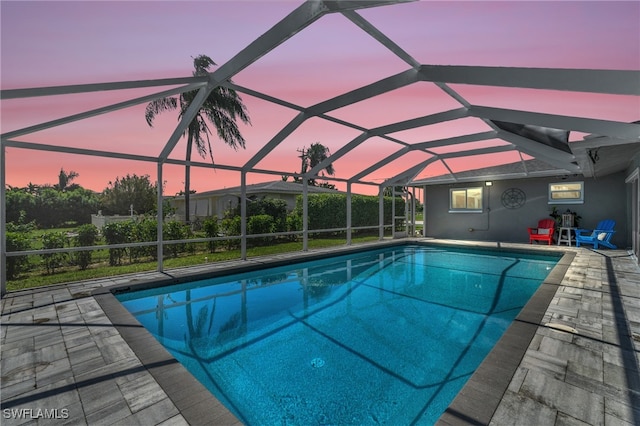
579,200
466,209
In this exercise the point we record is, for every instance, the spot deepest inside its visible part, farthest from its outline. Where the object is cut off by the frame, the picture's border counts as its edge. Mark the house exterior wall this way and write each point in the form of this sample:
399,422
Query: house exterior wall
224,203
604,198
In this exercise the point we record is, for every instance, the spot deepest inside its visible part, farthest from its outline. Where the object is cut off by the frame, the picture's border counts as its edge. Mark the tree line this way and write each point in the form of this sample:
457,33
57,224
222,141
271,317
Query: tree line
69,204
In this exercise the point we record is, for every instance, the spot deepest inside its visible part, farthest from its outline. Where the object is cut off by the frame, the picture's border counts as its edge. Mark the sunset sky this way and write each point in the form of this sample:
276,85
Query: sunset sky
52,43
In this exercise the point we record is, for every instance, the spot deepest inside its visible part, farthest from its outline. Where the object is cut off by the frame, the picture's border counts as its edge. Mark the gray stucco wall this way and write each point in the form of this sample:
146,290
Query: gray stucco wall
604,198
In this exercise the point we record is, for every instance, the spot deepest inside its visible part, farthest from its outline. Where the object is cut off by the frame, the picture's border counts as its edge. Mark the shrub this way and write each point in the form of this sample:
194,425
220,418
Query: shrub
261,224
210,228
174,230
277,210
294,223
17,241
143,231
273,207
117,233
87,236
53,240
231,226
22,226
19,203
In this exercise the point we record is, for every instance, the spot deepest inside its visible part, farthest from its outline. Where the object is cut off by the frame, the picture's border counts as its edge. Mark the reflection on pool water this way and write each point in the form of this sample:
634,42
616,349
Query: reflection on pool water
385,336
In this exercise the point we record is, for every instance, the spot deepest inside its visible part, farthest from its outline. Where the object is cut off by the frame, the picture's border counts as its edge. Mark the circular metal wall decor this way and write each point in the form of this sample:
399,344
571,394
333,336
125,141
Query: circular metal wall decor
513,198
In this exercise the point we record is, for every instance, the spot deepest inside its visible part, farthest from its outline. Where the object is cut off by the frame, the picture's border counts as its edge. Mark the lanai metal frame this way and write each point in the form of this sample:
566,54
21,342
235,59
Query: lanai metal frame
560,158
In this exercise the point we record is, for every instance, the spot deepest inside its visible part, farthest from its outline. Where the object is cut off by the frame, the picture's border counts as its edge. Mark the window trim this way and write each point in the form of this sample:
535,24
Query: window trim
466,210
552,200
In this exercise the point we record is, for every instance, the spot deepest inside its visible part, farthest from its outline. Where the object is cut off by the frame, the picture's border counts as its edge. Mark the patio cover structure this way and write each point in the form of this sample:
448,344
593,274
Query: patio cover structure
526,135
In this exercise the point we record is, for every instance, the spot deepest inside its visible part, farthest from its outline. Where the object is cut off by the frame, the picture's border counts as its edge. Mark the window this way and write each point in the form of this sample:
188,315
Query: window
566,193
465,199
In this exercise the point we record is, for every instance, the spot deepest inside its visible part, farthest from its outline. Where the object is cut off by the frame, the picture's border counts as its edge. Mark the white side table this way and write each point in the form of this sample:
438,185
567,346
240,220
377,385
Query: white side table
565,235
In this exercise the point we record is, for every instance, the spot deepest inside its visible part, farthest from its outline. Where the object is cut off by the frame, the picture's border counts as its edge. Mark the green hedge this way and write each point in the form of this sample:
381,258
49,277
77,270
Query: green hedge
273,207
261,224
327,211
144,230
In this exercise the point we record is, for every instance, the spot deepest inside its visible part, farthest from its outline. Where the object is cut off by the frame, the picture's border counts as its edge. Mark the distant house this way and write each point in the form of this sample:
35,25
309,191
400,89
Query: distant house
217,202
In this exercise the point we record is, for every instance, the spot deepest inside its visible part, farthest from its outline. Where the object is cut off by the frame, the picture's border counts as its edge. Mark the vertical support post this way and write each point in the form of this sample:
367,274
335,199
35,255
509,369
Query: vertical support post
243,215
305,214
424,210
393,212
407,226
3,221
160,219
348,213
413,211
381,213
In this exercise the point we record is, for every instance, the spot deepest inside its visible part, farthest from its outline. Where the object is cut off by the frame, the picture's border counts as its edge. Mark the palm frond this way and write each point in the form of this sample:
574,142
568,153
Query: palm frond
226,127
227,100
201,137
201,65
316,154
159,105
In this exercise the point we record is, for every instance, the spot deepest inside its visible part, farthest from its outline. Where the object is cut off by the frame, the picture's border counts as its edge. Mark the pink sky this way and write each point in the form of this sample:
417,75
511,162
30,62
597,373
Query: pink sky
60,43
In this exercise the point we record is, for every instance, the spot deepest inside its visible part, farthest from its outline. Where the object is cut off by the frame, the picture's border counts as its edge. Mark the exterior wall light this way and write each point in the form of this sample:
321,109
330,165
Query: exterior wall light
488,183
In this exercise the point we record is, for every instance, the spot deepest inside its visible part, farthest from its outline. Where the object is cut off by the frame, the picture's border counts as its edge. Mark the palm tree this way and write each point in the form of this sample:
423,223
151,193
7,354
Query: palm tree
222,107
32,188
65,179
314,155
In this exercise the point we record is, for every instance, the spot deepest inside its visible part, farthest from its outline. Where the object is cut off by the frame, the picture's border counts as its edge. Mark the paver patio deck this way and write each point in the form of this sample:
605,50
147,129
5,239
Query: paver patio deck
63,356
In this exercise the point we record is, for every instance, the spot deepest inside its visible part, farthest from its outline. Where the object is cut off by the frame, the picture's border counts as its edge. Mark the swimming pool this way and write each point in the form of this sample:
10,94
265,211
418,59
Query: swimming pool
386,336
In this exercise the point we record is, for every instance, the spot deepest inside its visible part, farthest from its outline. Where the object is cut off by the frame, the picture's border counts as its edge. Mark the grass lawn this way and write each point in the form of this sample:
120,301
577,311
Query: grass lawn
102,269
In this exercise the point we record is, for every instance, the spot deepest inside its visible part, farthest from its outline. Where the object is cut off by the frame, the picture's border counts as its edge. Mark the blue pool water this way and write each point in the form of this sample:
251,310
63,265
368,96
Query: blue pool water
386,336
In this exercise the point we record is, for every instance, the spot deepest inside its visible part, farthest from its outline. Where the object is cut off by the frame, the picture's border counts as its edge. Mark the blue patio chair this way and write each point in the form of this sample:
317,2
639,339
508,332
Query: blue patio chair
601,236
